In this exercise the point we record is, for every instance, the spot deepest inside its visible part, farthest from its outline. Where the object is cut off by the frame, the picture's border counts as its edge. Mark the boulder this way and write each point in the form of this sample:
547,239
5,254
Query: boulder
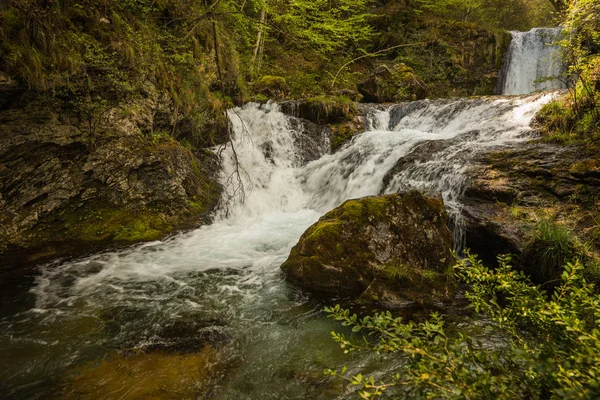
273,87
393,249
321,109
395,84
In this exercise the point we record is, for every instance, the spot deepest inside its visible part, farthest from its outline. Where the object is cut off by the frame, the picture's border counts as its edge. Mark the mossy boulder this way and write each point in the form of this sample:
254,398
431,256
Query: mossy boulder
272,87
322,109
392,84
393,249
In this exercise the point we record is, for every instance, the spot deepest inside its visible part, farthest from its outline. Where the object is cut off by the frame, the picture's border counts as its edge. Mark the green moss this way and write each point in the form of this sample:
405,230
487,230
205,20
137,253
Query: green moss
271,87
272,81
341,135
107,223
583,167
323,230
397,271
403,272
202,204
208,193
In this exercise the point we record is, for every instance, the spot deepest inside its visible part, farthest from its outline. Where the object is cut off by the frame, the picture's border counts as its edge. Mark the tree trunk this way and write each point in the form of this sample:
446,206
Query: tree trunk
560,5
217,58
259,38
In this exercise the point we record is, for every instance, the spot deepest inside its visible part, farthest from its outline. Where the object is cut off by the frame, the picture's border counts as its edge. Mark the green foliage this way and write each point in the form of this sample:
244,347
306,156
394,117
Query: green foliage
576,116
397,271
94,54
552,347
507,14
324,26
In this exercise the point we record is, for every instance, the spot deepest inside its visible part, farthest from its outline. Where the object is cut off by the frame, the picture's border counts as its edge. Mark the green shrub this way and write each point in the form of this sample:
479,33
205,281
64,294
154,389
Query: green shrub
552,345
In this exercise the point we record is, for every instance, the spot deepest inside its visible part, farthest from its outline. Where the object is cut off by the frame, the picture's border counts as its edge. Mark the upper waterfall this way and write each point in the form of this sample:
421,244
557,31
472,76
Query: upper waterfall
532,62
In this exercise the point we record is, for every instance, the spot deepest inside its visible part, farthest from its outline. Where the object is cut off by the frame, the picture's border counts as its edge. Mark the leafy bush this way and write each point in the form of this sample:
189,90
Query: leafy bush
552,344
577,115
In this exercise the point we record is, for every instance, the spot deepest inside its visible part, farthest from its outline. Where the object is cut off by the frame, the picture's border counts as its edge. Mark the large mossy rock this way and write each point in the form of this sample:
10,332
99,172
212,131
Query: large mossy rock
392,84
68,187
392,249
322,109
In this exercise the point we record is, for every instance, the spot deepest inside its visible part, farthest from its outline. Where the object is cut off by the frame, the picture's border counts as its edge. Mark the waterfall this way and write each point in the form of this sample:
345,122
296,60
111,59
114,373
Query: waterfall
532,62
223,280
273,192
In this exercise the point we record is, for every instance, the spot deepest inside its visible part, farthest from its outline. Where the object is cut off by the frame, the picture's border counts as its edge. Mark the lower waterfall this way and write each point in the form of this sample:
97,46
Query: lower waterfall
222,282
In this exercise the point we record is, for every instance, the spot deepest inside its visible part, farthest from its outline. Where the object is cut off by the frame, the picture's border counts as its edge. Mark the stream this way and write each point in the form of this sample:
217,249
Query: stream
213,300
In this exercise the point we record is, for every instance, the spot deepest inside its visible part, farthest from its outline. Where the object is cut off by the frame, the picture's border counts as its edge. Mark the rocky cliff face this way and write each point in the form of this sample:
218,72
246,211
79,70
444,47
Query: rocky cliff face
66,185
511,189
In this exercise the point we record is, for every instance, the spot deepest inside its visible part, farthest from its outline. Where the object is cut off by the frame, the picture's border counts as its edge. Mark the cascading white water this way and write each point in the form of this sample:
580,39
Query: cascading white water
227,274
533,62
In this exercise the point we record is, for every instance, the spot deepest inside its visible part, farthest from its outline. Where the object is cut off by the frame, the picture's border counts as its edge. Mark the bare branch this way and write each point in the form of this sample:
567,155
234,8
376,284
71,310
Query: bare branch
375,54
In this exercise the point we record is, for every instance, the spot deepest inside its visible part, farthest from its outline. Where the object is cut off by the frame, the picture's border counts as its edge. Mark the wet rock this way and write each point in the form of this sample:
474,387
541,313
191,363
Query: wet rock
342,118
510,189
313,142
10,91
321,110
65,187
392,84
393,249
426,151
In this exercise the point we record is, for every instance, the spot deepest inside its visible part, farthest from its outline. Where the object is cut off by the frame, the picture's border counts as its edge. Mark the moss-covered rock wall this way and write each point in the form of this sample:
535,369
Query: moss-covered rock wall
66,186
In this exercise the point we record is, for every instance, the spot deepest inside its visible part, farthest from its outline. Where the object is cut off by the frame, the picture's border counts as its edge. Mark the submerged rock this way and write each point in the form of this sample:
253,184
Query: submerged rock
393,249
141,375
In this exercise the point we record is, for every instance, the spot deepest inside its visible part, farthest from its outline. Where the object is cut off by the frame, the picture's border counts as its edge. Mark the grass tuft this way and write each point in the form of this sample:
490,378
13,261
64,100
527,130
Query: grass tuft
549,248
